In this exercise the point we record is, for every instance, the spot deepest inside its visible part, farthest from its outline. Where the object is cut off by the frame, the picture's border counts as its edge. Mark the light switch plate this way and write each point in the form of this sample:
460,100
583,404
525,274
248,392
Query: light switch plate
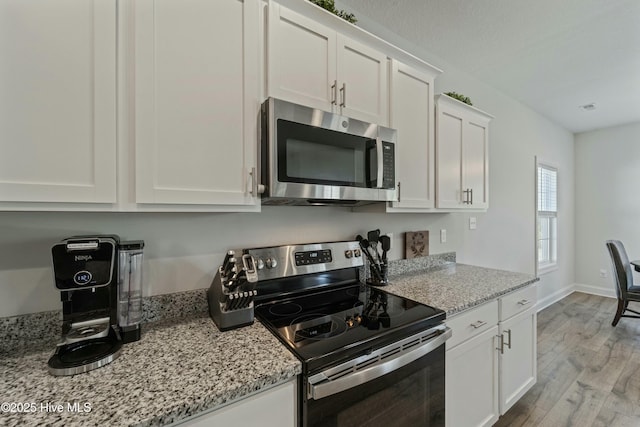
443,236
472,223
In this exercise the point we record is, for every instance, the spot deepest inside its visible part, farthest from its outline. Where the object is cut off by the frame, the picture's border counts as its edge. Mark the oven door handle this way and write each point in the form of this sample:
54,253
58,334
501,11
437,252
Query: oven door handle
328,388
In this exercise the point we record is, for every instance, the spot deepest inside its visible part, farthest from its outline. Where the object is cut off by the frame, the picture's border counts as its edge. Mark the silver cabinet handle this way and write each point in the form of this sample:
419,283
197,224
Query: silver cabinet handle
466,197
398,191
501,345
334,92
256,188
343,95
508,344
471,193
478,324
524,302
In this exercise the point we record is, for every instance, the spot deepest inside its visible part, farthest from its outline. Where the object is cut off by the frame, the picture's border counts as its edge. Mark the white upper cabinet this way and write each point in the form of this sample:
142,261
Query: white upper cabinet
196,102
462,155
412,114
57,102
313,65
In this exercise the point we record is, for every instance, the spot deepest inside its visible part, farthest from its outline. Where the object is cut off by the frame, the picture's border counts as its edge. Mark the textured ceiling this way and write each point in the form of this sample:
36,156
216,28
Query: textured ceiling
552,55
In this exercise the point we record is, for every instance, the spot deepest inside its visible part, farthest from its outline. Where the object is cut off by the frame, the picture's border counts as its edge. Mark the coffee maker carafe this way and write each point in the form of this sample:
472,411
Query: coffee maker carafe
100,281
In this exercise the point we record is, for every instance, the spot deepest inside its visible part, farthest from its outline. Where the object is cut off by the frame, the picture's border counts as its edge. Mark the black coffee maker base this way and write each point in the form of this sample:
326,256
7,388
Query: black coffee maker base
84,356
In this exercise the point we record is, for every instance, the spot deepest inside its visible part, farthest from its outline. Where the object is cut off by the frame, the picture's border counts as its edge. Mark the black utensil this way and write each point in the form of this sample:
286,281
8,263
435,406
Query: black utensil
364,244
373,236
385,243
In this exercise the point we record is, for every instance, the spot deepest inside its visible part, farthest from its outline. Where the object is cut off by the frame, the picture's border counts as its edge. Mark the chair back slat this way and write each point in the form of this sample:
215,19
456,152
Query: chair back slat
621,267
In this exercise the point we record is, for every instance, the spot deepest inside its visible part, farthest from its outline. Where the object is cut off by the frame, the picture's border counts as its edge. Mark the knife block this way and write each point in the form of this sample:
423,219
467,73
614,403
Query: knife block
221,300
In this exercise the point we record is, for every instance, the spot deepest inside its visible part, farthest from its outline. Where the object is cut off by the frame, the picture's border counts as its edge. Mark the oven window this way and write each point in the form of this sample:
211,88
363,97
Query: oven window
410,396
308,154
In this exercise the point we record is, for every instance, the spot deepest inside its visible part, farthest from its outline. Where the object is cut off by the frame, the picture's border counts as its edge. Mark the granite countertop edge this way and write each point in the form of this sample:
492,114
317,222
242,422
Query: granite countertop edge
491,297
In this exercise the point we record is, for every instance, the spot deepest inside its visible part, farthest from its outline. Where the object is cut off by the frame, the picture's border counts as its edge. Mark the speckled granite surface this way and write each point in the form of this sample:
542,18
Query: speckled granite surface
457,287
184,365
37,330
422,264
178,368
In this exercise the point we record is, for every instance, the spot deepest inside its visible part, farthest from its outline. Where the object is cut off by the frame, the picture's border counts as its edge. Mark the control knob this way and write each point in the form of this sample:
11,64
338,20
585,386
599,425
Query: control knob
348,253
271,263
259,263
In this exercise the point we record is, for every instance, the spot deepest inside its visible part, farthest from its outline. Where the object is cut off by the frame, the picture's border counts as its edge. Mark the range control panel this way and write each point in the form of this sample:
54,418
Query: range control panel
292,260
313,257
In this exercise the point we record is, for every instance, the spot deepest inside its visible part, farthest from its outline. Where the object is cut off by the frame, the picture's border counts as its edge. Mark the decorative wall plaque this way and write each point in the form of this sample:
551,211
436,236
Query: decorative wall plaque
416,244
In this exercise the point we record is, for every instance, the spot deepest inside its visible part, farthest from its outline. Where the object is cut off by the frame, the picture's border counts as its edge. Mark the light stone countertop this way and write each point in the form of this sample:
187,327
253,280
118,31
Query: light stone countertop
178,368
185,366
457,287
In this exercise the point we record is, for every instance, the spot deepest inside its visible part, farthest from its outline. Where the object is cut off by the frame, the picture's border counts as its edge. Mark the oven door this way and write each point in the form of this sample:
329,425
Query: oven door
399,385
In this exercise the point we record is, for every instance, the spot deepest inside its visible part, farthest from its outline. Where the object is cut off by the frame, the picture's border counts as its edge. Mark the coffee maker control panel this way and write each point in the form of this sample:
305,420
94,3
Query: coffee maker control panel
84,263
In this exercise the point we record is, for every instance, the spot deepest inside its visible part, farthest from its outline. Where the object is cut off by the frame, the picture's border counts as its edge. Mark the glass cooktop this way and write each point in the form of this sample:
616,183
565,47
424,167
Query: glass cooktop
332,325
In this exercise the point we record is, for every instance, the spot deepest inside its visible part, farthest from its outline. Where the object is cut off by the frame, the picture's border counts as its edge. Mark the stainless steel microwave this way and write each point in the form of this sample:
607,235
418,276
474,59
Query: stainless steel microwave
313,157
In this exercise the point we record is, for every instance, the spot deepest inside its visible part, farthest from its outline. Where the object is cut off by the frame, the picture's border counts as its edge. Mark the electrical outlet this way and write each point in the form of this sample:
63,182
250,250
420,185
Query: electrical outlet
603,273
443,236
472,223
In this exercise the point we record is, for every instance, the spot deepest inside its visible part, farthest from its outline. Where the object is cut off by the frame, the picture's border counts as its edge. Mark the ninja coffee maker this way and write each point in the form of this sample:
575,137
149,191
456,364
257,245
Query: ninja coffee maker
100,281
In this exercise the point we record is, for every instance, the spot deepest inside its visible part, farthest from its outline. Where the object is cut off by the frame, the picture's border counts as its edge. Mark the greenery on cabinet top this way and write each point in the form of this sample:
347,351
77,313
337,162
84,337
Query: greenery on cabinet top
331,7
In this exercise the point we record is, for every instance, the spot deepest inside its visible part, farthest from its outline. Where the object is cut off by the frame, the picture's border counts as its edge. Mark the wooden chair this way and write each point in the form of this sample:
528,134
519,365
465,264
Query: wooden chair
623,274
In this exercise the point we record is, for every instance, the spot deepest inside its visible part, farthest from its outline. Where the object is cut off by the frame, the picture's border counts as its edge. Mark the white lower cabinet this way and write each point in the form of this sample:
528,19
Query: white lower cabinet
491,359
472,382
275,407
517,357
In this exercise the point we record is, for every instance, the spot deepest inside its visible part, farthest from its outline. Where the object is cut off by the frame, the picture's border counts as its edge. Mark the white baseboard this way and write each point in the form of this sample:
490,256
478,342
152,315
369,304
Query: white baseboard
554,297
594,290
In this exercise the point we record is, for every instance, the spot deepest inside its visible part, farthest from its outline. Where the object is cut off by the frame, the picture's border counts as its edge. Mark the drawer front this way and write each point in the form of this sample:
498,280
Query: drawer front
473,322
518,301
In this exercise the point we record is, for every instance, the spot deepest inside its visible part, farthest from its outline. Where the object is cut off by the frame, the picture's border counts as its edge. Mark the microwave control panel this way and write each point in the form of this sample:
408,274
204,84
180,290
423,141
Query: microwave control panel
388,161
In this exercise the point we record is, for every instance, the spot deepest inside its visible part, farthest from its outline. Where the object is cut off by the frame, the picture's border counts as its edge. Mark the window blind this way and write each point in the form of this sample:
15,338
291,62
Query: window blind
547,189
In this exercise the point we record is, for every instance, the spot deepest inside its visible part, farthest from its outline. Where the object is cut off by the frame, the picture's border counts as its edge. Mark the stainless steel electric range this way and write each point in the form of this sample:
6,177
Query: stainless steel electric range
369,358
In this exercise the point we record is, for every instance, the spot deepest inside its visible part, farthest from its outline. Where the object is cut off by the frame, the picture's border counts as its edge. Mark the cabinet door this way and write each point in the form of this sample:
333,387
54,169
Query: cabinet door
472,382
363,82
196,93
449,134
462,150
272,408
58,101
475,163
301,59
412,116
517,361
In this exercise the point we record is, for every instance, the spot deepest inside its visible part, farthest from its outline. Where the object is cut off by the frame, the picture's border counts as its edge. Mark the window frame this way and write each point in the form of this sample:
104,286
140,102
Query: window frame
543,267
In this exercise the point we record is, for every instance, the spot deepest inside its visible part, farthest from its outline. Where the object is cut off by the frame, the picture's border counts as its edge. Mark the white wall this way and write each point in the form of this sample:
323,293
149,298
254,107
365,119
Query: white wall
182,250
505,234
607,173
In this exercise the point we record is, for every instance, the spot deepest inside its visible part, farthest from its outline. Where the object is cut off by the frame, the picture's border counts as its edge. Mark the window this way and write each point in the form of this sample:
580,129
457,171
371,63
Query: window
547,226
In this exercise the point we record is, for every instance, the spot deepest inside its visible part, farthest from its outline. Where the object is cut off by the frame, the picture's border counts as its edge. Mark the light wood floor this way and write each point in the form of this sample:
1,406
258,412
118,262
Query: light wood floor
588,371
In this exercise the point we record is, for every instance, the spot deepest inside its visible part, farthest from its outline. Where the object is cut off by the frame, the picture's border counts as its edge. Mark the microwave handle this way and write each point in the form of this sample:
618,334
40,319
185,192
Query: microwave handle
379,153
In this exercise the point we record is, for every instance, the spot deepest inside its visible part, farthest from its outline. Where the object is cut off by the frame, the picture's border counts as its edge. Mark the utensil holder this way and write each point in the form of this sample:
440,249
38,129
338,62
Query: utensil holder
379,277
